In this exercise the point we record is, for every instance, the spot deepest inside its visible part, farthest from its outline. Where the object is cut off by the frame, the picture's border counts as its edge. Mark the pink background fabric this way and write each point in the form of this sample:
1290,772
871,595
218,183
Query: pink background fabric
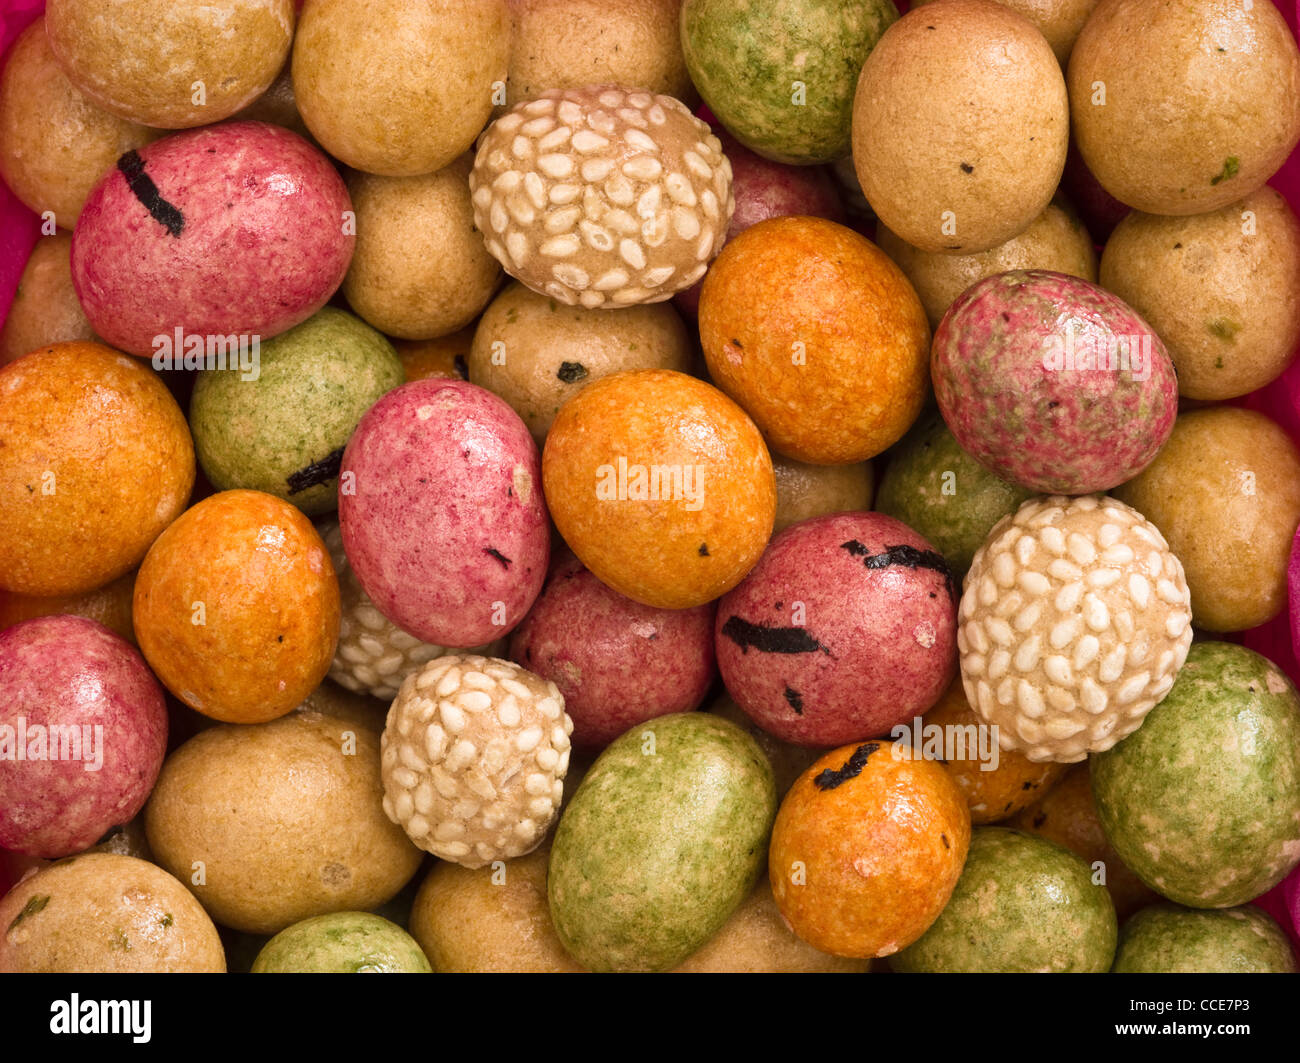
19,227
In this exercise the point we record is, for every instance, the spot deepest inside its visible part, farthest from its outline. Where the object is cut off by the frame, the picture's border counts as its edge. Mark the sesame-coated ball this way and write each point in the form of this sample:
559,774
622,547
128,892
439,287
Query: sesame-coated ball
602,196
1075,620
474,756
374,655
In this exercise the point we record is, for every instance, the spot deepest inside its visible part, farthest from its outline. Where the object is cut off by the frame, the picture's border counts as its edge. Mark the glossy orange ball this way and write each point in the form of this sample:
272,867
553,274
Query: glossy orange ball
867,848
110,605
819,336
95,461
445,358
661,485
997,783
237,607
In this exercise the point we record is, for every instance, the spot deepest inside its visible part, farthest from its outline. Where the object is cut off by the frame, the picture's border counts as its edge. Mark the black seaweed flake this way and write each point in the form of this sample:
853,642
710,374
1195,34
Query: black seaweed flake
944,838
852,768
907,557
704,549
318,472
504,561
142,187
795,699
767,639
967,168
572,372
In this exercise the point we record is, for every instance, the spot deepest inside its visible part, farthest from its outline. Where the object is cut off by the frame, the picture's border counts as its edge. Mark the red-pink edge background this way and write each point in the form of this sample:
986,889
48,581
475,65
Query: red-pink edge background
20,229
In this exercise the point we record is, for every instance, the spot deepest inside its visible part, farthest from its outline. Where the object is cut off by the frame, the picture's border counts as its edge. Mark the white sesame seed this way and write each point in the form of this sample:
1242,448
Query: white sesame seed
555,165
453,719
508,711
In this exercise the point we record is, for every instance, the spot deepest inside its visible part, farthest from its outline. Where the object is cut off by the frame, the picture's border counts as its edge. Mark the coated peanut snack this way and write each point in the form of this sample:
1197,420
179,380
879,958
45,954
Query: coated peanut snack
648,486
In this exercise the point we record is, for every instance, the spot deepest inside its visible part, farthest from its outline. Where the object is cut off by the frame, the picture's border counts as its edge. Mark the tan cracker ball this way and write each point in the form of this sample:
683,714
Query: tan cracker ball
537,354
282,818
474,757
399,87
960,126
174,64
1059,21
602,196
106,913
560,44
55,143
420,270
1075,620
1182,108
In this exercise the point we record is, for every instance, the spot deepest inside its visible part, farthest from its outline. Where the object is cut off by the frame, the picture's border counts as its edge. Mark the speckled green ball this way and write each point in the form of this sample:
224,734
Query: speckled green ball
342,943
1169,939
1203,800
281,427
941,492
780,75
1023,905
663,839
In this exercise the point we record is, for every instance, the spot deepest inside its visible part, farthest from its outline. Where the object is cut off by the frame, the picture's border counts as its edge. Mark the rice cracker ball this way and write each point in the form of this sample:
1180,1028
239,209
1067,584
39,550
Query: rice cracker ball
1074,623
171,63
400,87
661,485
602,196
960,126
474,755
1204,119
818,336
